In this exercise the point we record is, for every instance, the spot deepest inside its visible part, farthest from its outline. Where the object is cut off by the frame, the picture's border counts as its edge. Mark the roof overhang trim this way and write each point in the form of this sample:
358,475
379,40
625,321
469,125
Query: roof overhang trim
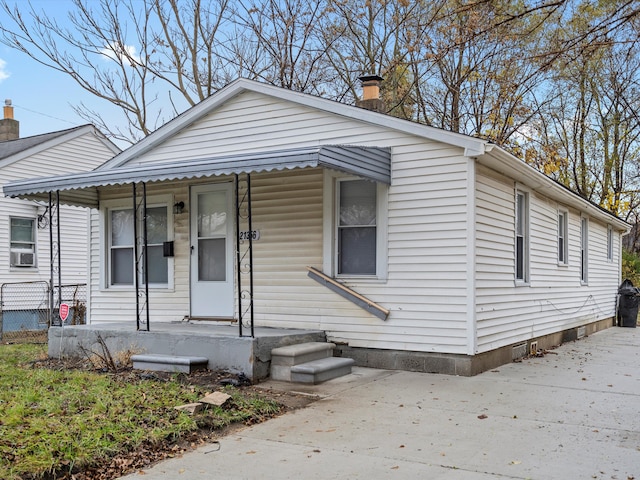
373,163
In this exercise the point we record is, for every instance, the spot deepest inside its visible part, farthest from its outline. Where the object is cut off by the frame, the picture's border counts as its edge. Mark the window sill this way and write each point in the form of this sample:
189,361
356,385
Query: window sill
355,280
131,288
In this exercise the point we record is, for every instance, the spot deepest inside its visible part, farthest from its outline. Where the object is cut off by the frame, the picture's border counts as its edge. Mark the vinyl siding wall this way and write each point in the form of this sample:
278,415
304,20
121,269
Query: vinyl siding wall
554,299
78,154
427,237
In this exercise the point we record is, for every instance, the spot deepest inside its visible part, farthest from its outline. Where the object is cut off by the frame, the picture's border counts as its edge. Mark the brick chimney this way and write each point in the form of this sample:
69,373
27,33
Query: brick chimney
9,128
371,94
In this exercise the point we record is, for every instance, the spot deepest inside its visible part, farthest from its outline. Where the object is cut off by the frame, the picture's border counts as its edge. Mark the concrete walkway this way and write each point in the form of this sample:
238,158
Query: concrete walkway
572,414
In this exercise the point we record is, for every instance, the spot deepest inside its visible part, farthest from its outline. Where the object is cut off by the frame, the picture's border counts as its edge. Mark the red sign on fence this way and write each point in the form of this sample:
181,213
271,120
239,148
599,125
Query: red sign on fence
64,311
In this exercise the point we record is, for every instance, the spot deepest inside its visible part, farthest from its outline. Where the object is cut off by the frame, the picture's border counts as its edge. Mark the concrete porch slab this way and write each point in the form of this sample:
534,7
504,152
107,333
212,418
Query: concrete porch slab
219,343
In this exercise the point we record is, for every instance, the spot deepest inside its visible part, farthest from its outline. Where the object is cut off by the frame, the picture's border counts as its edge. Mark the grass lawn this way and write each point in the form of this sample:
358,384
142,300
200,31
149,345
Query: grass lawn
57,421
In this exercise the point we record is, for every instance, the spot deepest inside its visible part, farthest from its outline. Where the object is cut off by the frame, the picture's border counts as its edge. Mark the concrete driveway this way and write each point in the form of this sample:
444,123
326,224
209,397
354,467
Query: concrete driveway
573,413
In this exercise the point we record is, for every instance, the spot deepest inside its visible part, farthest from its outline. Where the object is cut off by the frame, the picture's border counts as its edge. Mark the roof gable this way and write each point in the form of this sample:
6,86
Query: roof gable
14,150
472,146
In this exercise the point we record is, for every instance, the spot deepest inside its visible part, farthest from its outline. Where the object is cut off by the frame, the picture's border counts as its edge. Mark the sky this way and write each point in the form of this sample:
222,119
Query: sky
41,97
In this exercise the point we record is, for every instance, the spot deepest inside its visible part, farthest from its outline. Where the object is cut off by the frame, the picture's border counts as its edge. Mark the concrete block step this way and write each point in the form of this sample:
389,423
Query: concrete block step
321,370
168,363
301,353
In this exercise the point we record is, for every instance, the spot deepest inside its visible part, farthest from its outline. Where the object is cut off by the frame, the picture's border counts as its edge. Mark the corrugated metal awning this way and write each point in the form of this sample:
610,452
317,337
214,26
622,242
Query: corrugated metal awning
373,163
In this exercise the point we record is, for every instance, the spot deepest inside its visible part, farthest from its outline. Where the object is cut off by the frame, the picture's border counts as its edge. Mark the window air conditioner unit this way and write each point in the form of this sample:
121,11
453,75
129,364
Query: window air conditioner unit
22,259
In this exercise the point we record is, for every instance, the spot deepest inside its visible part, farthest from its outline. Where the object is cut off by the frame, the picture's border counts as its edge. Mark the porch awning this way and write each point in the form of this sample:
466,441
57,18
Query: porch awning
81,189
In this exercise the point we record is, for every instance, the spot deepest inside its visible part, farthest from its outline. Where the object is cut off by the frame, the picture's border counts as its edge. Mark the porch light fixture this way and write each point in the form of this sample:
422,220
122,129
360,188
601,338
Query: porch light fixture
178,207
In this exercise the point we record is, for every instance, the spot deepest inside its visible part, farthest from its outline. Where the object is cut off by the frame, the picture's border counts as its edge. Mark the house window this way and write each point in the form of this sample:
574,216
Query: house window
609,243
584,250
121,246
563,236
522,237
22,242
357,227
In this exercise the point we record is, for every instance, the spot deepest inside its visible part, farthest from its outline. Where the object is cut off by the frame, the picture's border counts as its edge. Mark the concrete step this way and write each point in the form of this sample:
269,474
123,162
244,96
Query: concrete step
301,353
321,370
283,358
168,363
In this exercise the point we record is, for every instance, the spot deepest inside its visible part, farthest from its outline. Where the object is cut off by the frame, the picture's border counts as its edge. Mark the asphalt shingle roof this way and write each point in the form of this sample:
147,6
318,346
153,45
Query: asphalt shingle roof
11,147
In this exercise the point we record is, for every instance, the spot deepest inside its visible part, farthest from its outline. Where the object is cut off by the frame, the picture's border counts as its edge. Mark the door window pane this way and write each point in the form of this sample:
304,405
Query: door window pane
212,264
212,214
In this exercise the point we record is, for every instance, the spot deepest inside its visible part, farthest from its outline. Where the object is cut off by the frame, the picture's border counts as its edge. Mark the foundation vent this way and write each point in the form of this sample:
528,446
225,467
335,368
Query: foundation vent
582,332
519,351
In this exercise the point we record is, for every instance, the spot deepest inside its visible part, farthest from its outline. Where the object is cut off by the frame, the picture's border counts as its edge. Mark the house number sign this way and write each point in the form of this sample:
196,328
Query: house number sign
253,235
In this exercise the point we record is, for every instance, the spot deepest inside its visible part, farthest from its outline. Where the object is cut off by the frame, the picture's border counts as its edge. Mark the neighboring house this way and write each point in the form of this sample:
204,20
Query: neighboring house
24,224
455,254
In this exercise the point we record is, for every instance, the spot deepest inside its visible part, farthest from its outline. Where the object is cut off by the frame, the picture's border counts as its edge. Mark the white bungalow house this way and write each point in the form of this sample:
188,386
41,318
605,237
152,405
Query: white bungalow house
409,246
25,226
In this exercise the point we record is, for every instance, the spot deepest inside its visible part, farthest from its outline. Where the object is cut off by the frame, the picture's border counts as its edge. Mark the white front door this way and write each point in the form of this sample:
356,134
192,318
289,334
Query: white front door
212,284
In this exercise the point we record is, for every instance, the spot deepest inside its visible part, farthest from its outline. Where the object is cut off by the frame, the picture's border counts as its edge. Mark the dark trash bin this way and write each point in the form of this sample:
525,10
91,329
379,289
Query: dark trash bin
628,301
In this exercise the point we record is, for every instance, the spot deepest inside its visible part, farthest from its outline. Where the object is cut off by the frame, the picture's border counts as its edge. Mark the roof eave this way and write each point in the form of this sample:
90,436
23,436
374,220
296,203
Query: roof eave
503,162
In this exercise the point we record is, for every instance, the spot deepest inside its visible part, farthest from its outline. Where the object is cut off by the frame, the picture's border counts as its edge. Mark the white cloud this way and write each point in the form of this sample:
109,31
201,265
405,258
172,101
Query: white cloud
3,72
126,53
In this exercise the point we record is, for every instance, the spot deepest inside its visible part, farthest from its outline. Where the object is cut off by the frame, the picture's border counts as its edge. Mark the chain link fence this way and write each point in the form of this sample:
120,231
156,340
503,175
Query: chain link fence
26,314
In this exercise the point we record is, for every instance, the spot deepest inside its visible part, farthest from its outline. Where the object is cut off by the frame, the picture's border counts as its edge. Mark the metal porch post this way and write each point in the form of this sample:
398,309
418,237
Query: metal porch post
135,257
250,249
238,260
240,256
51,258
145,252
59,249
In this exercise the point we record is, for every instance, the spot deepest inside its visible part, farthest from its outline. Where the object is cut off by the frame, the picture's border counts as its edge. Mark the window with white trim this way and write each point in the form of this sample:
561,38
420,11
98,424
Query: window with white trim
22,242
357,227
584,249
120,248
354,228
522,237
563,237
609,243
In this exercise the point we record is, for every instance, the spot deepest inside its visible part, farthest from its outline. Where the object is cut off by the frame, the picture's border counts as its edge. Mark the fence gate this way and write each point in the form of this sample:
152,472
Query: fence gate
25,312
